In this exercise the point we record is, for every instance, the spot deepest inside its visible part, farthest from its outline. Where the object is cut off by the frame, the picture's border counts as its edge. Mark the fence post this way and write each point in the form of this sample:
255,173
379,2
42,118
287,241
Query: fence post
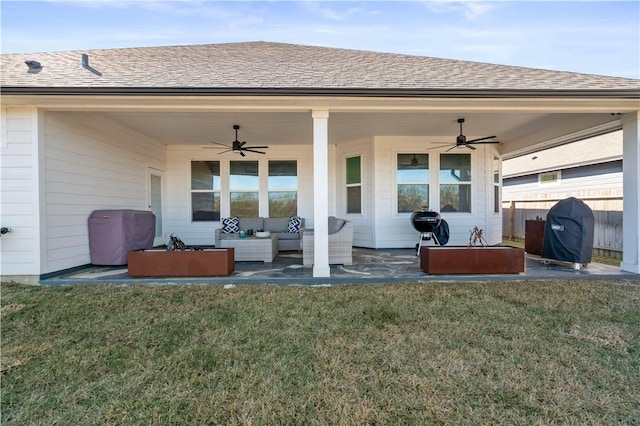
512,212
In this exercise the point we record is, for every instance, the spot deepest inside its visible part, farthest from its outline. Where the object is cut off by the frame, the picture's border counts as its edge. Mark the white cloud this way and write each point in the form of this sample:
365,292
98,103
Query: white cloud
469,9
323,11
511,33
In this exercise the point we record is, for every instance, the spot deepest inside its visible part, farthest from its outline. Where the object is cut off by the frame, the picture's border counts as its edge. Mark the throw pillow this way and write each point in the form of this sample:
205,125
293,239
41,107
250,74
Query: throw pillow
230,225
294,224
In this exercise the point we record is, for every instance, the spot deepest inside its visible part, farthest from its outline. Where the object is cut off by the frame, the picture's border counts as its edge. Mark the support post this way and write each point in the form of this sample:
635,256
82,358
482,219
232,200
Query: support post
631,189
321,192
512,212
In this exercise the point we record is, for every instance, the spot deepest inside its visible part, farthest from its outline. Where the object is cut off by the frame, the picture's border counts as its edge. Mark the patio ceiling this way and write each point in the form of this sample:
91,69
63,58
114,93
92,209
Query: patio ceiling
517,131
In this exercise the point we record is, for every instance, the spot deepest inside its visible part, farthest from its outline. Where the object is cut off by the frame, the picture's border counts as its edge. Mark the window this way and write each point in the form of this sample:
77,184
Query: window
412,180
244,188
283,188
205,191
455,183
550,178
354,185
496,185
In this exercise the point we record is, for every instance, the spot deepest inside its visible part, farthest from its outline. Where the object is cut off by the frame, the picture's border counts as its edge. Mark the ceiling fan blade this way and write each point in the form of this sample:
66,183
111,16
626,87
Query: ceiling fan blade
481,139
243,143
256,147
461,145
242,154
485,142
251,150
223,144
222,152
437,147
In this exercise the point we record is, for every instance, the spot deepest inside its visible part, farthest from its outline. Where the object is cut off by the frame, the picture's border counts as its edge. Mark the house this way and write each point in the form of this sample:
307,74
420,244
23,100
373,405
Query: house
589,169
366,136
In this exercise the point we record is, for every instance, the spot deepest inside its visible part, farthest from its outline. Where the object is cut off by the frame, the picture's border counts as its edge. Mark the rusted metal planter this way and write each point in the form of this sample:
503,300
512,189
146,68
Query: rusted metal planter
190,263
534,236
472,260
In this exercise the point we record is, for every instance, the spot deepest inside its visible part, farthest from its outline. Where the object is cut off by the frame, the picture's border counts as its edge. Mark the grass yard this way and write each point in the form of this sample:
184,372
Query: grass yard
612,261
555,352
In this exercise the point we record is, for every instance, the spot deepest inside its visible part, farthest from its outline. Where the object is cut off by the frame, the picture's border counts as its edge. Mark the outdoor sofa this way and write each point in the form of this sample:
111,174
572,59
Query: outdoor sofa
287,230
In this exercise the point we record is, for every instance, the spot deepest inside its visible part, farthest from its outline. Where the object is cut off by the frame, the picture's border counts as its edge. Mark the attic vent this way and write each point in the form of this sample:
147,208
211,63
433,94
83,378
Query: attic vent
85,65
34,66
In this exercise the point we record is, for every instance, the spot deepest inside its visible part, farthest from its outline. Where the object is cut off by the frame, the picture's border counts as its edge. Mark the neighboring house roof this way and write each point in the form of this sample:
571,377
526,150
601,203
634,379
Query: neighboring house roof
285,67
599,149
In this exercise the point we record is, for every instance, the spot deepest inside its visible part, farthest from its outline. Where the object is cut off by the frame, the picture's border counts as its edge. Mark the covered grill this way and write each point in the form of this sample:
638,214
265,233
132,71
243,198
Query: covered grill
568,234
429,224
114,233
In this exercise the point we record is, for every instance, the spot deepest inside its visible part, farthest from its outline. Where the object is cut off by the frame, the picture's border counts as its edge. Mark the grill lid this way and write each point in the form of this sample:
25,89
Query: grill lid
425,220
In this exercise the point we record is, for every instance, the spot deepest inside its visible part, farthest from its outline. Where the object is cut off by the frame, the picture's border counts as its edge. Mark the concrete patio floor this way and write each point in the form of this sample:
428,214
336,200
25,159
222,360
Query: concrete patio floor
370,267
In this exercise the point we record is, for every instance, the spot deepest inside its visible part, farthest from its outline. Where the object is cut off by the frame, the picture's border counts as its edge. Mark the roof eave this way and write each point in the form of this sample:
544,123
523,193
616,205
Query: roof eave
337,92
562,167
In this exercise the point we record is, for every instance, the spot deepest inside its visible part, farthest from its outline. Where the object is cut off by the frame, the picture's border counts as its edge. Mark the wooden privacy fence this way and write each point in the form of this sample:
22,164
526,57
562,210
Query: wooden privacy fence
607,212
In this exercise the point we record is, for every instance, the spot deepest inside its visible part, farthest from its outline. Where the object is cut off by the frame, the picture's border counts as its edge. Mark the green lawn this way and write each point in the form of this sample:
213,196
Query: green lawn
554,352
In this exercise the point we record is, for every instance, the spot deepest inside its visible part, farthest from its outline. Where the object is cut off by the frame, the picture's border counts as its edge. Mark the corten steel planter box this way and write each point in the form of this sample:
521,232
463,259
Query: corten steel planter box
190,263
472,260
534,236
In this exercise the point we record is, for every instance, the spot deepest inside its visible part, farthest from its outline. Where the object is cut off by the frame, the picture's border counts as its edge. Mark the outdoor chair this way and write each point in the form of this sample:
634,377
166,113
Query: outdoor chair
340,243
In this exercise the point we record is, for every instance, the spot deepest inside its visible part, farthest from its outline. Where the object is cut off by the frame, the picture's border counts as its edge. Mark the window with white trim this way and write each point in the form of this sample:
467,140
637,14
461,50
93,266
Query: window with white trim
549,178
412,182
205,191
283,188
455,183
244,188
354,185
496,185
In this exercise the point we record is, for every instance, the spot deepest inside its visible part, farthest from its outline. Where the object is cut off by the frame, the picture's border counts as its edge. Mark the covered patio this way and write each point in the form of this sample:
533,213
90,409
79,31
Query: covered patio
75,142
370,266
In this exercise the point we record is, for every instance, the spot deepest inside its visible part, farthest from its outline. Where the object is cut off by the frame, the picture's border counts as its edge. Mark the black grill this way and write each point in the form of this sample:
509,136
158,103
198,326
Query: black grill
425,220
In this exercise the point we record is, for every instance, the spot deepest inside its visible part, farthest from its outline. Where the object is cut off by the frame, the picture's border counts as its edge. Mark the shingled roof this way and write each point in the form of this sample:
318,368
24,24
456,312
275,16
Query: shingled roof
258,66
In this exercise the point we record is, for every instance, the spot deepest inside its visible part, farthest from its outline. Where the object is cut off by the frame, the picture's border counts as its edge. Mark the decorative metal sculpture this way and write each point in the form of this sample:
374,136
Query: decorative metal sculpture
476,238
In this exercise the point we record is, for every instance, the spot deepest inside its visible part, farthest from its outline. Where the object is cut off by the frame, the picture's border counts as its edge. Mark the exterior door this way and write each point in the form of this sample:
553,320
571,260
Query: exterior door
155,203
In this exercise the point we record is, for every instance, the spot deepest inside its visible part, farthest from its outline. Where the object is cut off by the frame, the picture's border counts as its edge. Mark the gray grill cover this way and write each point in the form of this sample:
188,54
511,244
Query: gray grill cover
113,233
568,234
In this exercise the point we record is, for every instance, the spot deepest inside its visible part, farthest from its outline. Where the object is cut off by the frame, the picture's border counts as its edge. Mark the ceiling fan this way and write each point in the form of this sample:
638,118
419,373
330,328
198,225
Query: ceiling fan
237,146
461,140
412,163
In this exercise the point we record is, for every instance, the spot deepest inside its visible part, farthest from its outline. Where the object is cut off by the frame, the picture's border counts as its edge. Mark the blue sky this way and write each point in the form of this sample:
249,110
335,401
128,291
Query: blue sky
581,36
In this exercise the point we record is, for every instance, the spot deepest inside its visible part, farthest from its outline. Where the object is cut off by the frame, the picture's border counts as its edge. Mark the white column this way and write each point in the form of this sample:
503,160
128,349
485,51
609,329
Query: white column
631,192
320,192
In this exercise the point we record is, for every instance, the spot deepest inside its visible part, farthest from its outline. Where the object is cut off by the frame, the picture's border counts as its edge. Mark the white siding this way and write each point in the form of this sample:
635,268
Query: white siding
394,230
604,185
363,229
19,193
601,191
178,195
91,163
